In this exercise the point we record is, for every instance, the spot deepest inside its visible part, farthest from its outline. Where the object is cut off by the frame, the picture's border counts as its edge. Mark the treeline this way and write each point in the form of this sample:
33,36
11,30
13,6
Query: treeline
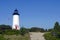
36,29
6,29
33,29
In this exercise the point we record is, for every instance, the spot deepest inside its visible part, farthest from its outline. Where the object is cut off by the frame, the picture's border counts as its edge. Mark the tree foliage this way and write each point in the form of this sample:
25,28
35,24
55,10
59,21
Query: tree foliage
5,27
57,26
56,31
36,29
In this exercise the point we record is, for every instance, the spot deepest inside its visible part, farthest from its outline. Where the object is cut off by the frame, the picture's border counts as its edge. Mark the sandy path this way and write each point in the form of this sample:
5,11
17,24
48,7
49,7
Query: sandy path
36,36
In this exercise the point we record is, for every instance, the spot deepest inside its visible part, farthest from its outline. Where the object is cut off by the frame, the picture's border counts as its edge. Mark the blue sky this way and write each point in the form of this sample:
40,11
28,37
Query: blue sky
33,13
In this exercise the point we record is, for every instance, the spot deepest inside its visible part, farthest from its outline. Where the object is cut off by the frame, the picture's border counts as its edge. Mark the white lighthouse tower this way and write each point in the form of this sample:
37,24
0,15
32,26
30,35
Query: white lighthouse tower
16,20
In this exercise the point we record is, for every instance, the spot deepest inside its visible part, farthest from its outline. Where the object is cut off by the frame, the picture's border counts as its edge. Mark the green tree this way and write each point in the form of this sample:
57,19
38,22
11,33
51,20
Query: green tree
36,29
5,27
56,31
49,30
57,26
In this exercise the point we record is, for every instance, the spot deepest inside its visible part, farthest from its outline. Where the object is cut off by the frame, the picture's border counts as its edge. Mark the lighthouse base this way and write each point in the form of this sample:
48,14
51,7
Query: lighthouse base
16,27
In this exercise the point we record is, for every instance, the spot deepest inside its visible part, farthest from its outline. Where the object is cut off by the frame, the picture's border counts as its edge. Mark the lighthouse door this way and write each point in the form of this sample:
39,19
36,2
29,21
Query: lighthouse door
16,27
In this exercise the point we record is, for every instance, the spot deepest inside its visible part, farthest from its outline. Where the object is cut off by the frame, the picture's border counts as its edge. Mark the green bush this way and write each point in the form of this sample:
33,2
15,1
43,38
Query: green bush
58,34
12,32
23,31
48,36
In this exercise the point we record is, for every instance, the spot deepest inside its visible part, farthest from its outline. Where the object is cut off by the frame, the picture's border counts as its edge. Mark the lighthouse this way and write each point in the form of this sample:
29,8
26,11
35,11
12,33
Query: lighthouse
16,20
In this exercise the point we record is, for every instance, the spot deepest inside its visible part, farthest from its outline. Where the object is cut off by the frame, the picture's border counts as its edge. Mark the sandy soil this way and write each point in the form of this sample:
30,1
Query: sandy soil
36,36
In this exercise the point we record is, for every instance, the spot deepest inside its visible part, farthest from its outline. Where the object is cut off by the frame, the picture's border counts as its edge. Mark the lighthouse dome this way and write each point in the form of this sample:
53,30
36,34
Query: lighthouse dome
15,12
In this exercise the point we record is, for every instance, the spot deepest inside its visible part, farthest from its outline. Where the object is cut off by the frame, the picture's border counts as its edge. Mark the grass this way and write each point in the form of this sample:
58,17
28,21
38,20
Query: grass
48,36
14,37
9,34
2,38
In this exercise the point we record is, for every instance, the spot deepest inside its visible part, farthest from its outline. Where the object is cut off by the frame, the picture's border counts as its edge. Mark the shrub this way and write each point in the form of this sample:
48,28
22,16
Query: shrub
23,31
12,32
36,29
48,36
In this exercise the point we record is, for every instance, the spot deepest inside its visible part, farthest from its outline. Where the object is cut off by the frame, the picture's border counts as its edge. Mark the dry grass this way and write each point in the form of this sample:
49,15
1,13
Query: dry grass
17,37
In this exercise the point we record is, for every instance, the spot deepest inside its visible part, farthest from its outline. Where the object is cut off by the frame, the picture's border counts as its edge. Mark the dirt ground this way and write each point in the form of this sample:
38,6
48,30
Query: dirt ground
36,36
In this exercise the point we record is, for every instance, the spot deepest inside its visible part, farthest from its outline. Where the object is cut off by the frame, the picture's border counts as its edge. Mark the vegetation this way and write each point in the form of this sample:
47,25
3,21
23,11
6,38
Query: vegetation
53,34
6,33
56,30
36,29
48,36
2,38
23,31
17,37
